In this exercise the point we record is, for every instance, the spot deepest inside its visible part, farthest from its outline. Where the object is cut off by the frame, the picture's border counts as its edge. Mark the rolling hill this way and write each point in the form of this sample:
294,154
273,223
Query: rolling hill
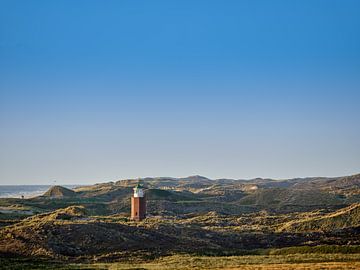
343,218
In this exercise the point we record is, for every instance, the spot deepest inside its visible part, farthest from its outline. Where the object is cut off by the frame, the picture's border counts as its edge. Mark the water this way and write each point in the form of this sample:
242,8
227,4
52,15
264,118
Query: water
28,191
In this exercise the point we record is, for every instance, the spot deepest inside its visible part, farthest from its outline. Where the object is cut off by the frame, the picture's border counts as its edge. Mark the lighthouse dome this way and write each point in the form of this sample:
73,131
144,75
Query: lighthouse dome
138,191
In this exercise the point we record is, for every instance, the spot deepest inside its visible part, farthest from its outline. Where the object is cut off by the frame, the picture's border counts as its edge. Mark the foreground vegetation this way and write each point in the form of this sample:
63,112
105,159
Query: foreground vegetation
295,261
290,261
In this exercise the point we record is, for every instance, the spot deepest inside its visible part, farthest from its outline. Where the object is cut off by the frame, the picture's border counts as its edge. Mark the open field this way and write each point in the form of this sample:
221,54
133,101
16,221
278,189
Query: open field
292,261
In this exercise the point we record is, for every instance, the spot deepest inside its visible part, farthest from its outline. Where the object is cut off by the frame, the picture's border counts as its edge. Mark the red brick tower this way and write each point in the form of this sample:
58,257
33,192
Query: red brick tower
138,204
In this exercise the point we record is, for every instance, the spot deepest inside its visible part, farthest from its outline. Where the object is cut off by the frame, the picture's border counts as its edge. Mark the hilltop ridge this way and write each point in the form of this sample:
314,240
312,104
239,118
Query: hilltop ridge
59,192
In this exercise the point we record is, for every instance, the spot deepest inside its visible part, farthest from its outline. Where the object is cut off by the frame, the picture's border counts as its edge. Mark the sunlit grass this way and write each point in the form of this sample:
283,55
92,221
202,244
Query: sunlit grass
291,261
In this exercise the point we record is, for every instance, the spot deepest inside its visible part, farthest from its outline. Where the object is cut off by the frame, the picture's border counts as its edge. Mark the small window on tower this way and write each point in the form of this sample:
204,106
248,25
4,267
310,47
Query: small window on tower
135,213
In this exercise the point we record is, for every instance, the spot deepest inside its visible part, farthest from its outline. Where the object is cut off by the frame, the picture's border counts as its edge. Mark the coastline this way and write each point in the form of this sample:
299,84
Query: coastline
28,191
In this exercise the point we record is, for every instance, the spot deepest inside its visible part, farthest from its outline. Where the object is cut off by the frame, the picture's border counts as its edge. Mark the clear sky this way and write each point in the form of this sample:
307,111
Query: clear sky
94,91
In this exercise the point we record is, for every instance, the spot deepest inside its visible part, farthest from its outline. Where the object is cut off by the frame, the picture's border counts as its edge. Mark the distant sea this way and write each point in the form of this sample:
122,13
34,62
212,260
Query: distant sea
27,191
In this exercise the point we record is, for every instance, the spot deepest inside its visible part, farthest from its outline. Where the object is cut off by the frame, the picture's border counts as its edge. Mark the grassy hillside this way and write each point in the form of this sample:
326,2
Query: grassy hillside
186,217
343,218
72,233
197,194
59,192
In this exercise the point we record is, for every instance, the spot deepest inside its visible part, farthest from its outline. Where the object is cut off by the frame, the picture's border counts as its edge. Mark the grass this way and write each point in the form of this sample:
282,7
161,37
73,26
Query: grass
175,262
294,261
322,249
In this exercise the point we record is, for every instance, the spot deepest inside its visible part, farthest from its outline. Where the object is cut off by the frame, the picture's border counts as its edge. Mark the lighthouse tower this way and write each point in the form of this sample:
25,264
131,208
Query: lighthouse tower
138,203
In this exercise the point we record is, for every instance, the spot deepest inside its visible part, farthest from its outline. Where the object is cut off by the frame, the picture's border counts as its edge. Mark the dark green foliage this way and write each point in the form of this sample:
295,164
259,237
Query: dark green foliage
16,263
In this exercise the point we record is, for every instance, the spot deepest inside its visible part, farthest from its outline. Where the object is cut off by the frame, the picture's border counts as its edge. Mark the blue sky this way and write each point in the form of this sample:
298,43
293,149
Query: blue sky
94,91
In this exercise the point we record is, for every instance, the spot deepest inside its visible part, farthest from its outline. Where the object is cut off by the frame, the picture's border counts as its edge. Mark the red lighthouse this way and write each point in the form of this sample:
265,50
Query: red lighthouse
138,204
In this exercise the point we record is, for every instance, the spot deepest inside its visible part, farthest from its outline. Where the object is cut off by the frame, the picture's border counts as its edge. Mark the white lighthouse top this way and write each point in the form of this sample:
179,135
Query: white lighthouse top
138,191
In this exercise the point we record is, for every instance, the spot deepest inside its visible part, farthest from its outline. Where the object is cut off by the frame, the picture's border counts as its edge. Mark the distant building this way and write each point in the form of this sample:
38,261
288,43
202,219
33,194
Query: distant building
138,203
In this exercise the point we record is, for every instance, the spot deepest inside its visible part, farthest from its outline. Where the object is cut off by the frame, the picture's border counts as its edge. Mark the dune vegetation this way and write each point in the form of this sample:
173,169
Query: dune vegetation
192,222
